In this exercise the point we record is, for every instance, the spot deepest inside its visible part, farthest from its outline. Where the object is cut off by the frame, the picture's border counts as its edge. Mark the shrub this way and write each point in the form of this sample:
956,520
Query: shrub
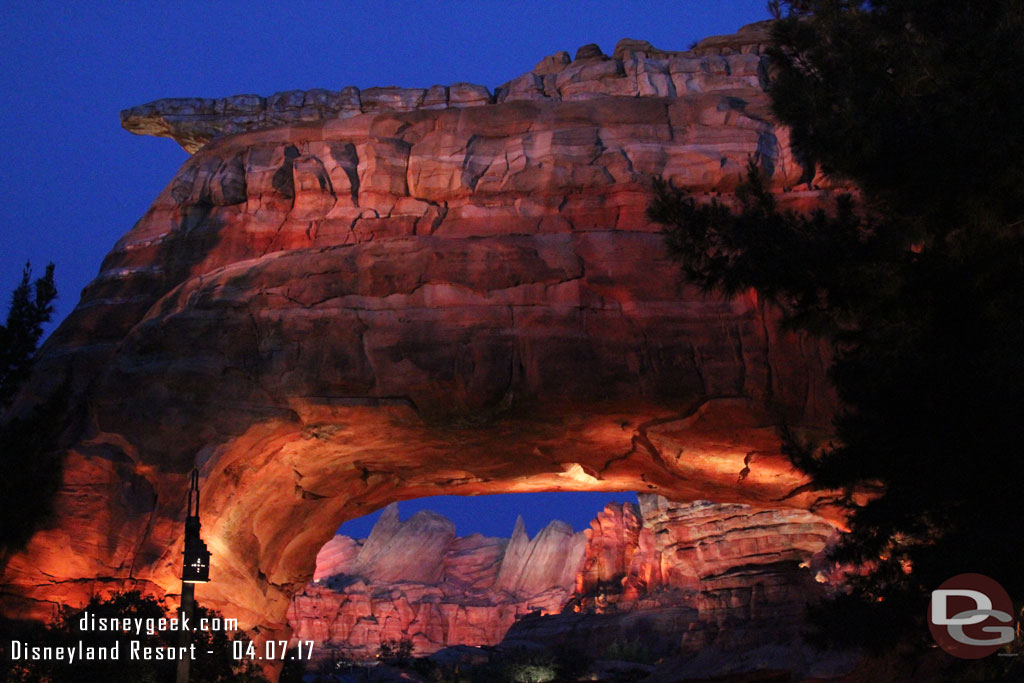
634,650
394,651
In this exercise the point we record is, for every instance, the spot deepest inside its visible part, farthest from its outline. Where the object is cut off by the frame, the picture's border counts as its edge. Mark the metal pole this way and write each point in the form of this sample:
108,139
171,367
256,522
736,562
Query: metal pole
188,588
185,614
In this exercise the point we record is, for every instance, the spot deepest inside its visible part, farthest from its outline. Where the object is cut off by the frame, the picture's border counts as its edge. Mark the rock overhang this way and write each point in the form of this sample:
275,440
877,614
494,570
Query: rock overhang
635,69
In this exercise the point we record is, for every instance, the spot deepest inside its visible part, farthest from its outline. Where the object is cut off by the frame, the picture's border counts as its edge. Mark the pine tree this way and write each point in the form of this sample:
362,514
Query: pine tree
31,308
30,469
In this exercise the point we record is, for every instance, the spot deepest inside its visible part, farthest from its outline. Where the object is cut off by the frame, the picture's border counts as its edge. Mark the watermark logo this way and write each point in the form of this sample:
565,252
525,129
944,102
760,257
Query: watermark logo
971,616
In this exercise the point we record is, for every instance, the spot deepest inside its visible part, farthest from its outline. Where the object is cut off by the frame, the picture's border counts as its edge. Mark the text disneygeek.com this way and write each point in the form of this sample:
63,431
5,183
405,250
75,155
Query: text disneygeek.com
145,650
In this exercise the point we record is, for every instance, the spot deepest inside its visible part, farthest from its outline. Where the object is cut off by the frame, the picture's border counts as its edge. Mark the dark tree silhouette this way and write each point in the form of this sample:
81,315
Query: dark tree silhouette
916,283
30,468
31,308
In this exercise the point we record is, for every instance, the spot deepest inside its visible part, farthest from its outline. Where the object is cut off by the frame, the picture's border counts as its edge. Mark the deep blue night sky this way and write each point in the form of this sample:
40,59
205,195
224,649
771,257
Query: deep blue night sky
72,181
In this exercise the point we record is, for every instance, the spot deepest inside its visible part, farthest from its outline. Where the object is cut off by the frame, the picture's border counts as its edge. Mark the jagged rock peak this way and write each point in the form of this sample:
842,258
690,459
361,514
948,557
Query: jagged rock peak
415,579
424,549
635,69
550,559
718,568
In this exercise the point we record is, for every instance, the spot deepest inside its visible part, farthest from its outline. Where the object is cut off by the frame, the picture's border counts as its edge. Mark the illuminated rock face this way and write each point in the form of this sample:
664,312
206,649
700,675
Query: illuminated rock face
414,580
729,576
635,69
718,588
633,554
326,316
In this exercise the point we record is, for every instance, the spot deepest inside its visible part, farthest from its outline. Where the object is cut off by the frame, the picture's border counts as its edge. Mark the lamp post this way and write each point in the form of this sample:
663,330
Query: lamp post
195,569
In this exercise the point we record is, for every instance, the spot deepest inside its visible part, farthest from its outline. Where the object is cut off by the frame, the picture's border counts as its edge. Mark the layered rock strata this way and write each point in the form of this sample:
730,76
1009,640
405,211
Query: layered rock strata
711,589
635,553
416,581
696,576
325,316
635,69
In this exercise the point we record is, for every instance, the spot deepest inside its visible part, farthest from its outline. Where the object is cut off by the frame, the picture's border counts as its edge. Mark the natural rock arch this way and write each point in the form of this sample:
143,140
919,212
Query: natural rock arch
328,314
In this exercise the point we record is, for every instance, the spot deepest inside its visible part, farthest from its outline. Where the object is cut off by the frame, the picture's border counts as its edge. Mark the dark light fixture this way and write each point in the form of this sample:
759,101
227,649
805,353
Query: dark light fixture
196,567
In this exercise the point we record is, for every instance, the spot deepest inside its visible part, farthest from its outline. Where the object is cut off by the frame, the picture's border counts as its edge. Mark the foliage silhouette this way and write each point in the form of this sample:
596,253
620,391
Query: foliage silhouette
31,308
914,279
30,467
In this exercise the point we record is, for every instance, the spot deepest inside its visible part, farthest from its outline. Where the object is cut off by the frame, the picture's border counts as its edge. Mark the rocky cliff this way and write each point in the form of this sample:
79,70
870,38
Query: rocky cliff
415,580
635,69
327,312
699,576
709,589
635,553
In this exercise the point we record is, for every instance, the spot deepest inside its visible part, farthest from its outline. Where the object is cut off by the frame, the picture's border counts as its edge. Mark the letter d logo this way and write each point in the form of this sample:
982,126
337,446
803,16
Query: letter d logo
940,599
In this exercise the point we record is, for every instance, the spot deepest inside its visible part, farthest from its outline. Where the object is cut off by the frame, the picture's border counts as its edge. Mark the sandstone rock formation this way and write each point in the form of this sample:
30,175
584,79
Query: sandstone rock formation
633,553
635,69
408,581
718,589
697,576
329,313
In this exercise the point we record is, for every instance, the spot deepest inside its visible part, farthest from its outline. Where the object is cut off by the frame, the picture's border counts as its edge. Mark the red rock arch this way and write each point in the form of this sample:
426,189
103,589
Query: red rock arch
326,316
